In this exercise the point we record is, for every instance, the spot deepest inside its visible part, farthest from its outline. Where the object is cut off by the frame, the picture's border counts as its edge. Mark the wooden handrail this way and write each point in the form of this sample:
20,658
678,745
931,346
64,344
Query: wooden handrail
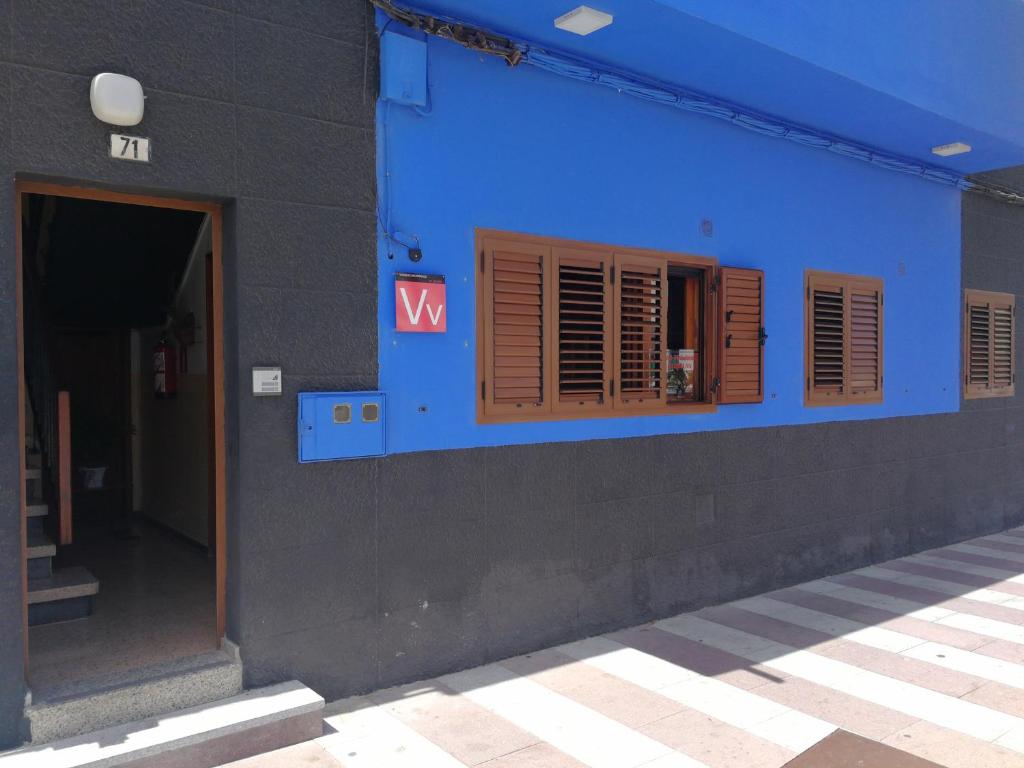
51,410
63,479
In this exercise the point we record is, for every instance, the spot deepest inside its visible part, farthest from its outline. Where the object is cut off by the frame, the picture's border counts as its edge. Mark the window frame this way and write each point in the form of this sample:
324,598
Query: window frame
972,391
847,282
708,265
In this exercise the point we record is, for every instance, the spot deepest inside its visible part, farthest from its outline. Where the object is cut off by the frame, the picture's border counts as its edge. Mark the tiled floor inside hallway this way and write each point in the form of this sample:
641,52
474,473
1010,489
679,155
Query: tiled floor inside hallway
156,603
924,655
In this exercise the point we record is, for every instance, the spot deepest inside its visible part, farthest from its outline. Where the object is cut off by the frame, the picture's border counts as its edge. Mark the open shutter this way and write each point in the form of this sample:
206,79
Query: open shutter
864,347
989,344
742,336
641,300
582,341
977,344
515,340
825,346
1003,347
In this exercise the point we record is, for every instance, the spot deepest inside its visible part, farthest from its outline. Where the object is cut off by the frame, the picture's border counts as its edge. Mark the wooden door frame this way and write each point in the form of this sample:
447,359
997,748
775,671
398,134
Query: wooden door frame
216,321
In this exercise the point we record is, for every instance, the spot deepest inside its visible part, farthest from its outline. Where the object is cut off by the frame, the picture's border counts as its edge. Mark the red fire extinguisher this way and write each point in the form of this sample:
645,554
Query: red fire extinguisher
165,370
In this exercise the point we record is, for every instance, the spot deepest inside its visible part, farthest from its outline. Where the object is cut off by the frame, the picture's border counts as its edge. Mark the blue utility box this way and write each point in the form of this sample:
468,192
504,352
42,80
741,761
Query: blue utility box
403,69
341,425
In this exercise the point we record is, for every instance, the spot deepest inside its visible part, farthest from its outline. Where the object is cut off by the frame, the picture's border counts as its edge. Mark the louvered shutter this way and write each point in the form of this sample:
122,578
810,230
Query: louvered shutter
978,345
1003,373
741,343
640,291
515,278
989,344
582,355
826,348
844,349
864,340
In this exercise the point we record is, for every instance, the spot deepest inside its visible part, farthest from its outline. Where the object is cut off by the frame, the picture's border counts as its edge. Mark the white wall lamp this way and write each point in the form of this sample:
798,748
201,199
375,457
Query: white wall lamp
583,20
117,99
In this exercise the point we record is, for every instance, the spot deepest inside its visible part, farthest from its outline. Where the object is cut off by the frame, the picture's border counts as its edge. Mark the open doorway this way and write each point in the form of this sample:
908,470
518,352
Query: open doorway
122,387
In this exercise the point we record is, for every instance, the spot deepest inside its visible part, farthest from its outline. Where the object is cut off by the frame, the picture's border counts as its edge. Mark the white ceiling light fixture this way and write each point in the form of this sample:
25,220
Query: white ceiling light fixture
948,150
583,20
117,99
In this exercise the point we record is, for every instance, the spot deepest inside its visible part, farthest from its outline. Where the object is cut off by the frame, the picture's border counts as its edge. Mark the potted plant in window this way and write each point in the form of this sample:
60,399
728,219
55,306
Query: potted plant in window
678,381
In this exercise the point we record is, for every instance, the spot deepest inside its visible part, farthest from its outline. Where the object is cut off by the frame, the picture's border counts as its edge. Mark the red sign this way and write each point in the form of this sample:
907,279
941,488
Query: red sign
420,303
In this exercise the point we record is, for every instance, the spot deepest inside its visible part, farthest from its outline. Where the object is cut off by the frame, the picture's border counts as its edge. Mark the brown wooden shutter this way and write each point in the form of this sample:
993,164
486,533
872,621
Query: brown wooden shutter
515,278
844,344
825,345
864,340
641,301
989,344
977,345
1003,347
582,341
741,343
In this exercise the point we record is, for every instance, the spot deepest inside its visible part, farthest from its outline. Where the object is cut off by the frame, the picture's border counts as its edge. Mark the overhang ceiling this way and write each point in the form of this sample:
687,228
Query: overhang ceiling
106,265
900,76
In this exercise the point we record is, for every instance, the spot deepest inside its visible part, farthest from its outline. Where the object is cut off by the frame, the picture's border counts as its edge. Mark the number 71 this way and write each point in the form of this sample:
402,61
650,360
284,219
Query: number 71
133,143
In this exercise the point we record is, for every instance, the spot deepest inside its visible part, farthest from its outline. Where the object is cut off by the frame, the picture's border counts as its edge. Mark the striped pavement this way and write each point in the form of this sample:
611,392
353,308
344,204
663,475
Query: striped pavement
924,654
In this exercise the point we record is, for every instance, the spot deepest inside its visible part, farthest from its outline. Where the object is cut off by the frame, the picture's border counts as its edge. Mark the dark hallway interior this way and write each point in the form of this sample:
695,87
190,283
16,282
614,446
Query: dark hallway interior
129,584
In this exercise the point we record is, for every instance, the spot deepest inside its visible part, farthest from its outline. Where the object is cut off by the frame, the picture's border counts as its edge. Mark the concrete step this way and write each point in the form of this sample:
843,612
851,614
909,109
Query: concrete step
62,585
37,509
64,595
203,736
33,473
78,707
40,552
39,545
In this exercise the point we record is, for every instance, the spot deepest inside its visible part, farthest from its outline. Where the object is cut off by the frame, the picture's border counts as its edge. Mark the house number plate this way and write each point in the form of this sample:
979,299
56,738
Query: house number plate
129,148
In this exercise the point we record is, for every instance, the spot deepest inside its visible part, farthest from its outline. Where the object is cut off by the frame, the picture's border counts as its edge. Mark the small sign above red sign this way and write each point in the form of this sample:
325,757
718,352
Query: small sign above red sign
420,303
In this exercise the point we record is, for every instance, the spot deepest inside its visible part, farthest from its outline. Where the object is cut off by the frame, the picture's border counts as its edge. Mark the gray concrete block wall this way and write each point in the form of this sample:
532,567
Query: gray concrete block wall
482,554
993,260
268,107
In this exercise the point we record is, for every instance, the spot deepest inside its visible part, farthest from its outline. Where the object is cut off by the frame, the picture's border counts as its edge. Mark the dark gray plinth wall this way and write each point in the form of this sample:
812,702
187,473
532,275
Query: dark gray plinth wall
355,575
268,106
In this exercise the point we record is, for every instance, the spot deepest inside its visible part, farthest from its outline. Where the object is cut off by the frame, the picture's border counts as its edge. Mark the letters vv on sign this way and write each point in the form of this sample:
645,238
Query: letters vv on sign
420,303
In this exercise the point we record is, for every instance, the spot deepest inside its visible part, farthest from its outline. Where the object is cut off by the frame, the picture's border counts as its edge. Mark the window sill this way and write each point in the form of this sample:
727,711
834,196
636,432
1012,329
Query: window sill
678,409
987,395
839,403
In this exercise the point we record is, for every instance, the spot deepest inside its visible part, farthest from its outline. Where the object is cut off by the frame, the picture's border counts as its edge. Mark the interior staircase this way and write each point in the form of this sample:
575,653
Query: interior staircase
67,593
53,594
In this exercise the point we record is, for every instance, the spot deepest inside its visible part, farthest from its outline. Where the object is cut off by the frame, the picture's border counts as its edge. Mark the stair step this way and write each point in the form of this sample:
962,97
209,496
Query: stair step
59,611
37,509
39,545
62,585
68,709
202,736
33,473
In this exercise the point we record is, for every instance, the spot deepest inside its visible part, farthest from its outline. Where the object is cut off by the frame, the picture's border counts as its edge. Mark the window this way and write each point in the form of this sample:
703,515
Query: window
569,330
990,365
843,347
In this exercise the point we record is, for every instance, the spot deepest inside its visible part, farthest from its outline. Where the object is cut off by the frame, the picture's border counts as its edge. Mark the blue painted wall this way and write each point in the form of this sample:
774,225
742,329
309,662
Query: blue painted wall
526,151
902,76
946,56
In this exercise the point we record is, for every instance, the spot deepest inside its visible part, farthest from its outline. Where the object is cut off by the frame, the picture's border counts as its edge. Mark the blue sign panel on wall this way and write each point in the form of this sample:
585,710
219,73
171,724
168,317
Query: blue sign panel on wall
340,425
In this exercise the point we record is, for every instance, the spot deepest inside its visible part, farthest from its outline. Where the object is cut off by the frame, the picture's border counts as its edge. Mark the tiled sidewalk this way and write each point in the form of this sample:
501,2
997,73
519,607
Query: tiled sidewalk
925,654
